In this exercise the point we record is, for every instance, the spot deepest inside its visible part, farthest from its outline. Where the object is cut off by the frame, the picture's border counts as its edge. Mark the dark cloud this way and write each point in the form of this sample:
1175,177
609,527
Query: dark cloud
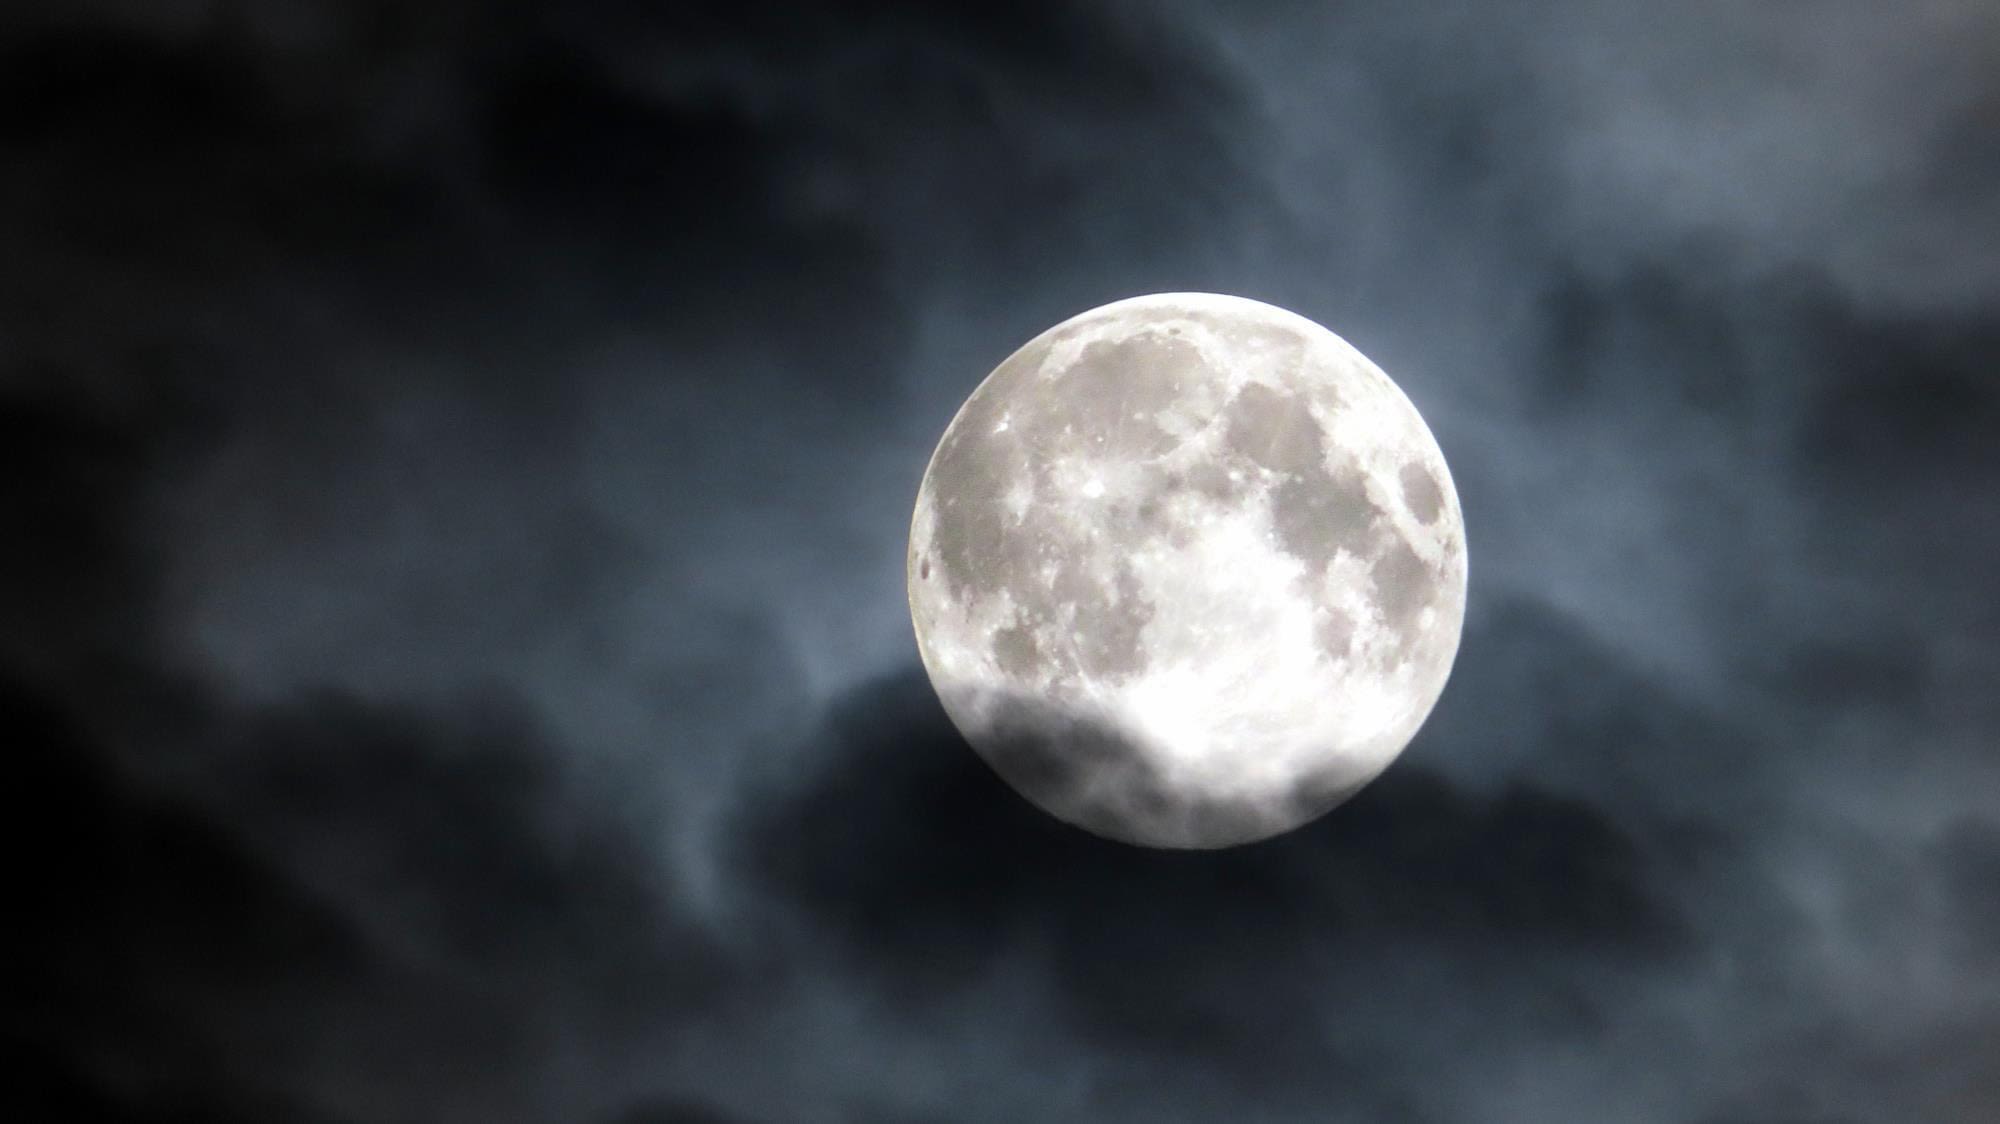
1969,855
457,461
150,923
928,870
324,909
906,804
412,882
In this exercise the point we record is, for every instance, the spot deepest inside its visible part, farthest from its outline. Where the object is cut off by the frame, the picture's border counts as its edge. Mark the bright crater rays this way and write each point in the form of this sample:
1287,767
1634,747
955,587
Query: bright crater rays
1187,570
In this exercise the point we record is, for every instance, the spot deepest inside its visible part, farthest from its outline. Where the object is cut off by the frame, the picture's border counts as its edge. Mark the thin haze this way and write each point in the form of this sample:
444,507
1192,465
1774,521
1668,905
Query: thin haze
459,458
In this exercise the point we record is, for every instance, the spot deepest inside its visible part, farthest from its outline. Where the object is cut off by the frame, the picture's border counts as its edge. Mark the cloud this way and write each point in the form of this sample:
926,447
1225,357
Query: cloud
329,909
456,464
927,872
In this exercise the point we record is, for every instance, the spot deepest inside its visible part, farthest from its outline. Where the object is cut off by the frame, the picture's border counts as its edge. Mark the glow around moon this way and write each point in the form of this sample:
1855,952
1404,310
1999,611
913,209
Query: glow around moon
1187,570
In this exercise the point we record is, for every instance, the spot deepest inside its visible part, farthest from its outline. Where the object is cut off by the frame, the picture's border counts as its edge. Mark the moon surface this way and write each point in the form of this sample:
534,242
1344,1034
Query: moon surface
1187,570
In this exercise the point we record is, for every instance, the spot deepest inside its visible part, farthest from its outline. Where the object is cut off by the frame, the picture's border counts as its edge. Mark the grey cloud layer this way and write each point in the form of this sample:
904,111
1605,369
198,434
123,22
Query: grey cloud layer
458,462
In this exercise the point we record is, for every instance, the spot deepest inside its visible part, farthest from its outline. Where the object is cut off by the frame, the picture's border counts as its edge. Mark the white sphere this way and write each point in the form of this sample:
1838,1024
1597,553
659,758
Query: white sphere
1187,570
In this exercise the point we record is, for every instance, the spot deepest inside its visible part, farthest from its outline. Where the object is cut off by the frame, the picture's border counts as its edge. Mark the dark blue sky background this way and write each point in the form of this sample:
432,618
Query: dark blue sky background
457,459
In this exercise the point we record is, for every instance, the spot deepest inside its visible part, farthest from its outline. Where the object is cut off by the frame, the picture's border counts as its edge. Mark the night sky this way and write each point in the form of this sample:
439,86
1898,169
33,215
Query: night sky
455,468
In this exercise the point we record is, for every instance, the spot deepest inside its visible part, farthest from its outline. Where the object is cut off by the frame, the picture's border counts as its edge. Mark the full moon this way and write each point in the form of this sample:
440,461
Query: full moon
1187,570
